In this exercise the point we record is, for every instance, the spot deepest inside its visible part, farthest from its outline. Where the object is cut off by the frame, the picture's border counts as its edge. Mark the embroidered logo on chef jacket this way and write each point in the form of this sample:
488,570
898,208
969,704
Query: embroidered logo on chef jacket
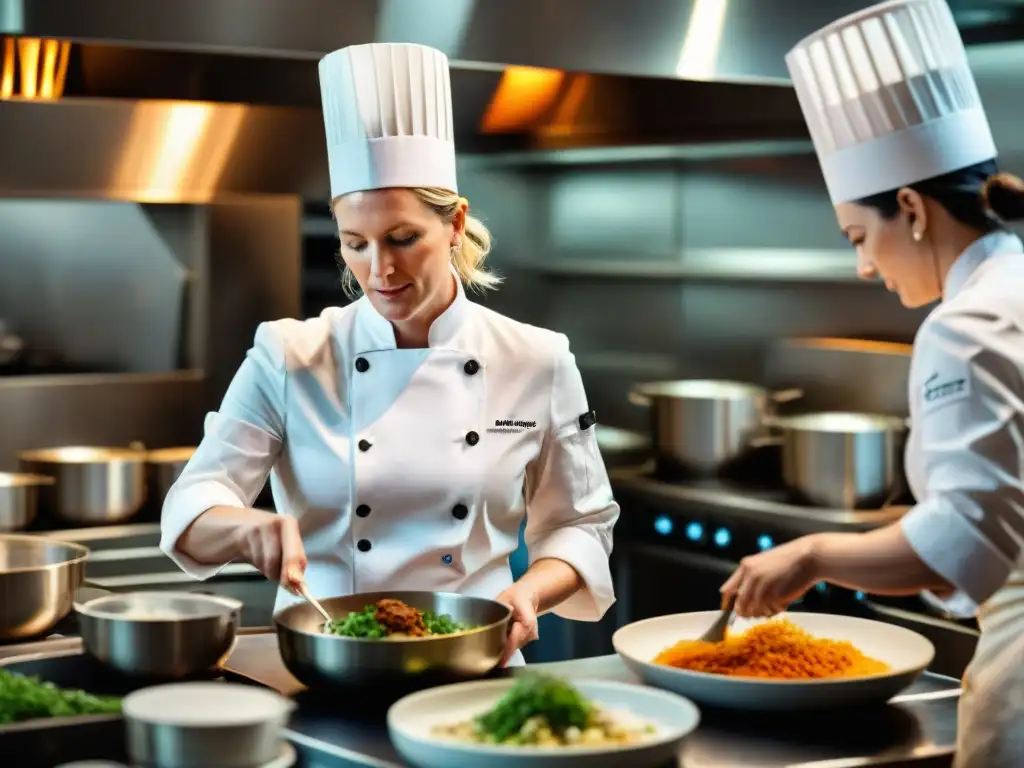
511,426
941,389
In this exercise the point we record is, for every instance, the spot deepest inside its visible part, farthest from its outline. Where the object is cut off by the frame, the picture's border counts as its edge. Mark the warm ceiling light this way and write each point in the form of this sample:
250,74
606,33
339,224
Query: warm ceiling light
34,69
523,96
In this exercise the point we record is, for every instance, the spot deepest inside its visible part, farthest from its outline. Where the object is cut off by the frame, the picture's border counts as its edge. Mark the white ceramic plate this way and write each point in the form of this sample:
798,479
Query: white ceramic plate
907,654
411,719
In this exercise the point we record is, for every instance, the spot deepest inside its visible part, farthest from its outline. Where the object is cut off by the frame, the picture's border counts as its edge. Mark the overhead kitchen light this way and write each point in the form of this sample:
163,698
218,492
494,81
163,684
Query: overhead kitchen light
34,69
699,57
523,97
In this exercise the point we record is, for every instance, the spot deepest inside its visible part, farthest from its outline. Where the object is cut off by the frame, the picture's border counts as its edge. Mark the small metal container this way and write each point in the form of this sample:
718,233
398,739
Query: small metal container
93,485
165,467
842,460
704,425
204,725
317,659
38,581
159,635
19,499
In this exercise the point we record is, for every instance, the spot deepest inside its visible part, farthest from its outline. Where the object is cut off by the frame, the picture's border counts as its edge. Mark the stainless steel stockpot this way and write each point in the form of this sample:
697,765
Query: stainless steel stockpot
842,460
703,425
19,499
165,466
93,485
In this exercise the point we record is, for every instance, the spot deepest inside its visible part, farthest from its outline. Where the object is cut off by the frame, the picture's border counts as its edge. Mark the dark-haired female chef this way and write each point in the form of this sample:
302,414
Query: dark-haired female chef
909,161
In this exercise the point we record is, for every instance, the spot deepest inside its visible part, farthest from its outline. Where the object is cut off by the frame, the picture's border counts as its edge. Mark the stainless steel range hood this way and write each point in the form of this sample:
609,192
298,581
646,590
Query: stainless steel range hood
186,100
700,39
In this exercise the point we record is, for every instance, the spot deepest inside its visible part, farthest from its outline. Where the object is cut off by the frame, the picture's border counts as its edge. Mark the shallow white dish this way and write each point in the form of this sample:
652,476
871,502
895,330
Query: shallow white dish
411,719
907,653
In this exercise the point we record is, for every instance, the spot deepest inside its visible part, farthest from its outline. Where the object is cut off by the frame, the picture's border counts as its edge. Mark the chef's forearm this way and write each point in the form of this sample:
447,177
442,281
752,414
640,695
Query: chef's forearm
880,562
552,581
213,537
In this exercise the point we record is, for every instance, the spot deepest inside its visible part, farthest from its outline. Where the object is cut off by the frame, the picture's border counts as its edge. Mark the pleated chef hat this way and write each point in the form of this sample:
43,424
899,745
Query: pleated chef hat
889,98
388,117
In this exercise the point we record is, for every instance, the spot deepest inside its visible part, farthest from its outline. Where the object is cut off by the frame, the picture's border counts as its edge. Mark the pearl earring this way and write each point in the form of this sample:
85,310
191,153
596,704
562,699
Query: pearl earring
917,237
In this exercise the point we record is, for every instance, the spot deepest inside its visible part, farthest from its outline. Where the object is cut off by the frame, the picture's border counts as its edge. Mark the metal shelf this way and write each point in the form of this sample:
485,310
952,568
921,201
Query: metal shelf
639,154
730,264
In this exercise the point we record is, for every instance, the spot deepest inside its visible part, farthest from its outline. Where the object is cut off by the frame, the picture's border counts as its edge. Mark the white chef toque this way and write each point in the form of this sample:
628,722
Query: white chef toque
388,117
889,98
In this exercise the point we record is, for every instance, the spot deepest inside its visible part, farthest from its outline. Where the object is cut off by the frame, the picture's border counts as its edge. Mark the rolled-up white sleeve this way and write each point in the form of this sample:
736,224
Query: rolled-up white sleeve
968,413
241,442
570,509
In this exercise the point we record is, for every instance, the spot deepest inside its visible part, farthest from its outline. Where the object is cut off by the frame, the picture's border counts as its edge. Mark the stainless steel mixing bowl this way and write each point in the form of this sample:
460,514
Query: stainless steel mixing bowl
159,634
38,581
317,659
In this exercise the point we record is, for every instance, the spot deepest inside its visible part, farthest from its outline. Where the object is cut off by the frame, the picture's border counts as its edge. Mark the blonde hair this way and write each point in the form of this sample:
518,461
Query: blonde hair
467,258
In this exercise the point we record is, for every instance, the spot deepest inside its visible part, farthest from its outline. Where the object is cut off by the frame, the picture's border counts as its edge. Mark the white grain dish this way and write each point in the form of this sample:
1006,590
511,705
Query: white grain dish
907,653
411,721
201,704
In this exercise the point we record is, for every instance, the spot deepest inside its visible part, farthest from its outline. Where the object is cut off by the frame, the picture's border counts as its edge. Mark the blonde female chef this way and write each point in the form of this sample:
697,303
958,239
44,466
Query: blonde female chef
909,161
407,434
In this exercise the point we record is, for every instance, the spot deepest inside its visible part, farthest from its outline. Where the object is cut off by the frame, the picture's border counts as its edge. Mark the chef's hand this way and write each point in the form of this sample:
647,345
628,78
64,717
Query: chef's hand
272,544
523,627
766,584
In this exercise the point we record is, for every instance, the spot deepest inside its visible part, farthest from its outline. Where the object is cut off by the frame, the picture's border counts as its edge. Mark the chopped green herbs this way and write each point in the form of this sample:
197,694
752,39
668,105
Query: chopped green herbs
364,624
26,698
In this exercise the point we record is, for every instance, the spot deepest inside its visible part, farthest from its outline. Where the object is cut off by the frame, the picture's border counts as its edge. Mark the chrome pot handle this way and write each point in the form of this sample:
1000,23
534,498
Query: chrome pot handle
768,438
786,395
638,398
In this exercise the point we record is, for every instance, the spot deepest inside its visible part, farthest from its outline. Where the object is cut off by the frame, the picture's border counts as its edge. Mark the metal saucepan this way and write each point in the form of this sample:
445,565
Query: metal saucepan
93,485
317,659
703,425
19,499
841,460
38,581
205,725
159,634
165,467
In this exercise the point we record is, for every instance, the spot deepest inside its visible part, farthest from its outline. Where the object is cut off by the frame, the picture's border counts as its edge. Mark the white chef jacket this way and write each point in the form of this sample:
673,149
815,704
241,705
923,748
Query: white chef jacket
965,464
410,469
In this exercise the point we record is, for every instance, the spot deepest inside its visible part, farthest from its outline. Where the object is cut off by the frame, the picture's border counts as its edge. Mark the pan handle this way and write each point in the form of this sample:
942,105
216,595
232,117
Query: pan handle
638,398
786,395
770,436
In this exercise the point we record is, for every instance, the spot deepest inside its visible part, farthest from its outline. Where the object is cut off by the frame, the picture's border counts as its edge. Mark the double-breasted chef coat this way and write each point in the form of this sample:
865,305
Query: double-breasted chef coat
965,464
410,468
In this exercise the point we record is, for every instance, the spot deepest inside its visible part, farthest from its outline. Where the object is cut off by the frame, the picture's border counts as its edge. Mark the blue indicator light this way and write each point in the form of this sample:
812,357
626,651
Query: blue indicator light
663,525
764,541
695,531
821,586
722,537
859,595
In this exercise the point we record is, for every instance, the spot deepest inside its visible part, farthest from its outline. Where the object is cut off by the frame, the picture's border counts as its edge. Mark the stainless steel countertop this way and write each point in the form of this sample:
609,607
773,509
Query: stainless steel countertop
916,729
